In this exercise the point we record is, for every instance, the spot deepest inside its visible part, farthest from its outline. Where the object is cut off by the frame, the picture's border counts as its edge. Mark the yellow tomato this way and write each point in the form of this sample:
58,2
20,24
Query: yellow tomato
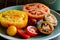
14,17
11,30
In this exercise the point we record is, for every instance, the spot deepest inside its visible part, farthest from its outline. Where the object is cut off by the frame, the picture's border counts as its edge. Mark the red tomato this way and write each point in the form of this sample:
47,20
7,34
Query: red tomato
31,30
22,33
36,10
32,21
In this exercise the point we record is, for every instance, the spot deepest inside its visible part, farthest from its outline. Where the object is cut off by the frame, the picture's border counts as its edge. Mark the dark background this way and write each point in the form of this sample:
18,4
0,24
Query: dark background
6,3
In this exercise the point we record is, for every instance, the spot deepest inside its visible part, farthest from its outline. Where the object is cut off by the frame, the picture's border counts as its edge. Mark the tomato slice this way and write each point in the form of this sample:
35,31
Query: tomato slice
51,18
22,33
45,27
36,10
14,17
31,30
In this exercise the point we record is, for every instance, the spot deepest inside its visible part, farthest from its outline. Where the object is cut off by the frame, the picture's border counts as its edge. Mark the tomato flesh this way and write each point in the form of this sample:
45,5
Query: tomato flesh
36,10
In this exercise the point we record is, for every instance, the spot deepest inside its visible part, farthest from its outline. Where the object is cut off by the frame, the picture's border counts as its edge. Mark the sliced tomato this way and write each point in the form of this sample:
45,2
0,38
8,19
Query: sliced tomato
36,10
22,33
51,18
45,27
31,30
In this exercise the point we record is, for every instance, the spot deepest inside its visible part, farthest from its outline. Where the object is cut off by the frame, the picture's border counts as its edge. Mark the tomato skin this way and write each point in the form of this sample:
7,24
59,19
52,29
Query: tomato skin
30,33
22,33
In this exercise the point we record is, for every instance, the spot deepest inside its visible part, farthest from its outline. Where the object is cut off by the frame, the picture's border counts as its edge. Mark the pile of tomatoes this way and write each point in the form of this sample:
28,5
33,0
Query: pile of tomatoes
35,12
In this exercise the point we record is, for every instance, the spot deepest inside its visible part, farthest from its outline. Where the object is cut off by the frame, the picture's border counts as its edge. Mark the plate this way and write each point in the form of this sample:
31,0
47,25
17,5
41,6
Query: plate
39,37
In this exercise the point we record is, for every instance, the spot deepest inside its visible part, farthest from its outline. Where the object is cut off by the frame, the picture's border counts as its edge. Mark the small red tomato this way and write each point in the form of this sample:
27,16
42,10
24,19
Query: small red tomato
32,21
31,30
22,33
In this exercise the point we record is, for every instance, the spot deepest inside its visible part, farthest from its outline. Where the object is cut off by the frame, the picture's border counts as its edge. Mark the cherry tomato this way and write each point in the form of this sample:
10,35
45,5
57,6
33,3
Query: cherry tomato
32,21
31,30
11,30
36,10
20,32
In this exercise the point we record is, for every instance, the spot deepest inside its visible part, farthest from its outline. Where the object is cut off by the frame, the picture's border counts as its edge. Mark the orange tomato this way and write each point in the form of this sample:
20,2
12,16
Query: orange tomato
11,30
